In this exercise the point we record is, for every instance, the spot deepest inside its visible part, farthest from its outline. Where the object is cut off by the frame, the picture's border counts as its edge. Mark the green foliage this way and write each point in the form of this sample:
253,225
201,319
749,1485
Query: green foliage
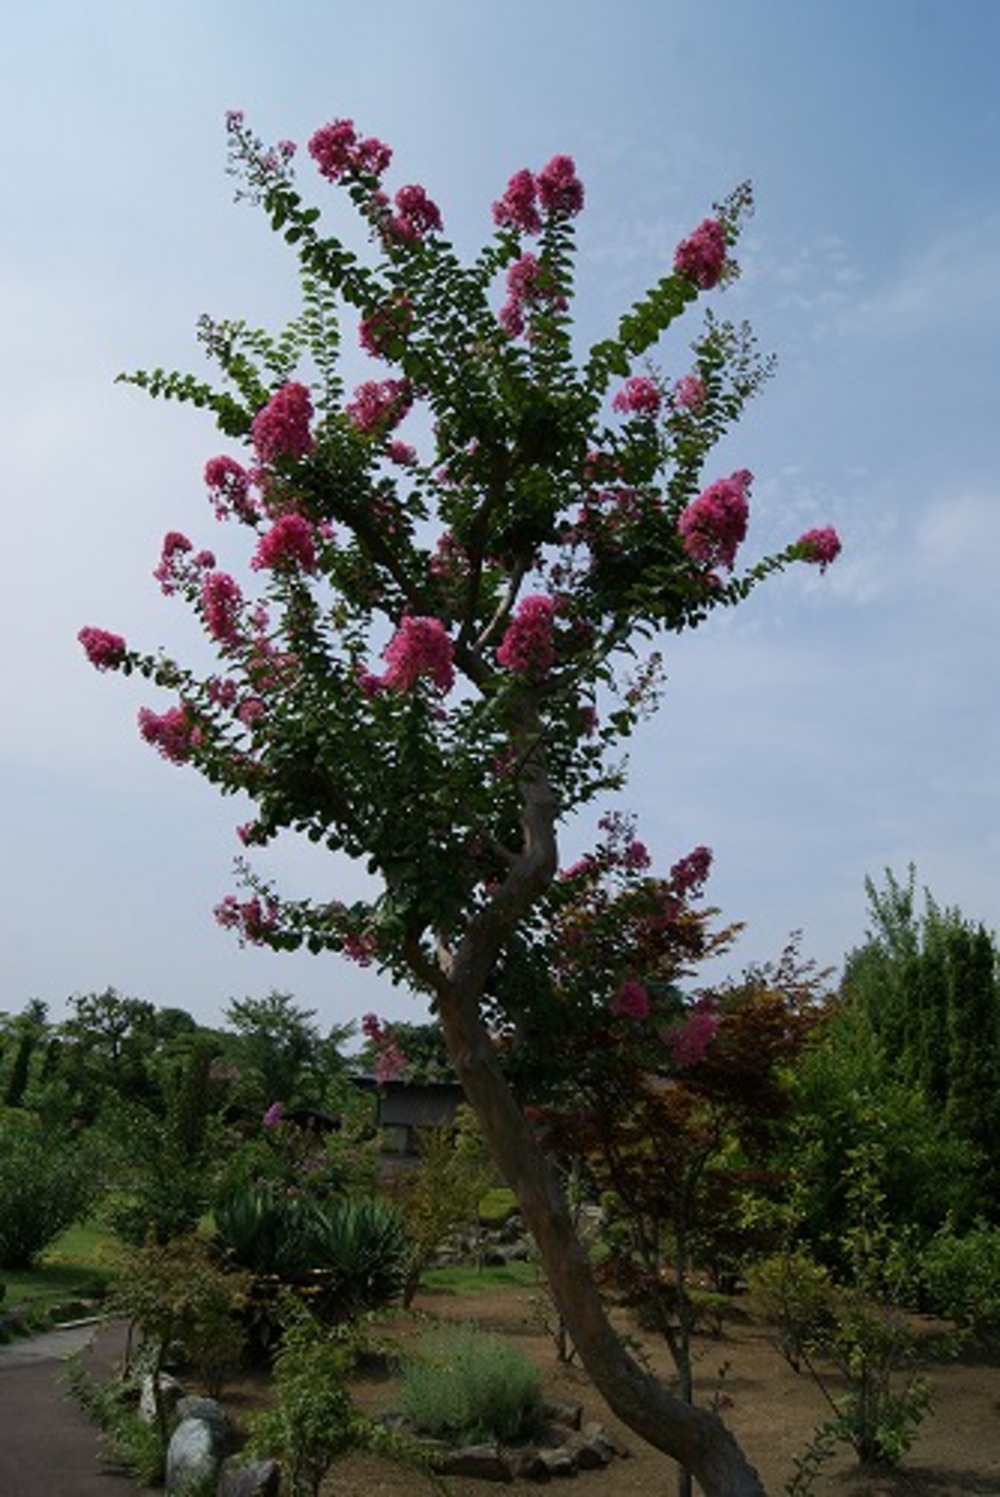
355,1249
857,1322
927,988
442,1195
164,1159
314,1420
961,1274
128,1441
791,1294
282,1055
178,1293
467,1384
849,1098
46,1183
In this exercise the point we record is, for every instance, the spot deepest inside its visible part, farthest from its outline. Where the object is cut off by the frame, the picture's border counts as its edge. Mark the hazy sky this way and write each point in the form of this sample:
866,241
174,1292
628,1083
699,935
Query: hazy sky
831,728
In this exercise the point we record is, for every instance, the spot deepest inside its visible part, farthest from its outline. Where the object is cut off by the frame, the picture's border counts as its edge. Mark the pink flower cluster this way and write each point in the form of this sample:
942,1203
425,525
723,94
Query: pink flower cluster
415,217
288,545
390,1062
179,563
701,257
821,546
254,919
713,526
638,396
531,286
103,649
420,647
556,191
338,152
173,733
631,1001
222,604
228,482
379,405
689,392
690,873
527,646
281,428
692,1038
272,1117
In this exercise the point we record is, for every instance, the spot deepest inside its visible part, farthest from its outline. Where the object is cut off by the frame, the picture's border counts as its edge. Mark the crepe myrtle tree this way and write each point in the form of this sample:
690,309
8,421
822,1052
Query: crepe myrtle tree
444,642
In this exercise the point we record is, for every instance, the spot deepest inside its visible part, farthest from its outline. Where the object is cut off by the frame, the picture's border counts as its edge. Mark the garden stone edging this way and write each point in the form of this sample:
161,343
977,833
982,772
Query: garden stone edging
567,1446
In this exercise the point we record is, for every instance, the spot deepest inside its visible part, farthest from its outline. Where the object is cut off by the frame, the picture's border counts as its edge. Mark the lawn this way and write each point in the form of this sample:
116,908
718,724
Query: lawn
67,1278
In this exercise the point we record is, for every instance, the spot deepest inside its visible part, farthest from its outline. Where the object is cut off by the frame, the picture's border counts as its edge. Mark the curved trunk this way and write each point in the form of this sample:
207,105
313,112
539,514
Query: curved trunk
695,1438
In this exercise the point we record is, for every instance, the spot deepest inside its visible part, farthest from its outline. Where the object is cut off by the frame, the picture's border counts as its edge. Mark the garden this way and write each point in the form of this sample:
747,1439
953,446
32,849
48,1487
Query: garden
794,1232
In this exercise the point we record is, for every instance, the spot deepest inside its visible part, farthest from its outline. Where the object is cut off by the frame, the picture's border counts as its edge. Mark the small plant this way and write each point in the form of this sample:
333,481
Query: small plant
469,1385
807,1466
791,1294
177,1293
443,1196
859,1324
314,1420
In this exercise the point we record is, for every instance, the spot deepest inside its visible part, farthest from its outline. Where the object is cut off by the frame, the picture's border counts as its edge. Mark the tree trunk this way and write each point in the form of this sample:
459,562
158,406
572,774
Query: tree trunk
695,1438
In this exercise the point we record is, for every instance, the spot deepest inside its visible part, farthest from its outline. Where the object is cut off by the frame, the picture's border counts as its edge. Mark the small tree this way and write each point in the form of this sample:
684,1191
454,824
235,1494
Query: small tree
442,1195
508,574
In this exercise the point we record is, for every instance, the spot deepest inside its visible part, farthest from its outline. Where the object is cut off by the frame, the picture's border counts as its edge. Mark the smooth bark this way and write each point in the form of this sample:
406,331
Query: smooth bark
696,1438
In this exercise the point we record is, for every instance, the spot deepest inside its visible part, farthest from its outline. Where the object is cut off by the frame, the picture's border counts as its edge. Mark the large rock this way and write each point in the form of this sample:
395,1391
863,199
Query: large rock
197,1447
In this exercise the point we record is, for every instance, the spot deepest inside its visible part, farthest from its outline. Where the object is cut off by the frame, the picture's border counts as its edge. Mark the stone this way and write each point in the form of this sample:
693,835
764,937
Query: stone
568,1414
171,1392
197,1446
193,1458
208,1410
240,1478
558,1460
480,1462
602,1438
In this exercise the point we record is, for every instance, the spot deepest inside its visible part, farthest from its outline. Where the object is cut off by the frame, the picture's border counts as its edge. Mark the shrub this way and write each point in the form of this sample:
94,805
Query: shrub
46,1183
961,1275
360,1246
313,1420
793,1295
176,1293
467,1384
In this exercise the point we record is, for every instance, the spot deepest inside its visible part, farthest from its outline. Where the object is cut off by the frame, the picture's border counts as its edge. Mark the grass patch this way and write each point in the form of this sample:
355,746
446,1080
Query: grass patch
74,1269
467,1279
496,1205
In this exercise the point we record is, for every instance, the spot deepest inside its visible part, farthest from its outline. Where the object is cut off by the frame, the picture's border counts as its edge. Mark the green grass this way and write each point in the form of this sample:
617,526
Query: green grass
496,1205
77,1266
467,1279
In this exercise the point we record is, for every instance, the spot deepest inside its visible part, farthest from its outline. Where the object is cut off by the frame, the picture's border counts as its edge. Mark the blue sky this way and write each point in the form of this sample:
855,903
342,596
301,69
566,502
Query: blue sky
831,729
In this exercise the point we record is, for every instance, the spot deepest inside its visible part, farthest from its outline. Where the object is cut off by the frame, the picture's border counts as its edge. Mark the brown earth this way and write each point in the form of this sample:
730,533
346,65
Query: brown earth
772,1410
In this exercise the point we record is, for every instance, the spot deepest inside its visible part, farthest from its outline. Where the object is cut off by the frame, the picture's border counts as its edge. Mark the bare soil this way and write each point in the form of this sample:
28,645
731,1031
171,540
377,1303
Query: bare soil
772,1410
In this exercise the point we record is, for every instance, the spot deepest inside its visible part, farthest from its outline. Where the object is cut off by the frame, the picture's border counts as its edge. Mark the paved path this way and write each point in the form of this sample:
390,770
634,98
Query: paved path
48,1446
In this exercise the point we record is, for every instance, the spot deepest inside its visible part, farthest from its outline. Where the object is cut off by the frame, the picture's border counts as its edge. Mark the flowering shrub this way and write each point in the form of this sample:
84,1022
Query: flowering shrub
515,560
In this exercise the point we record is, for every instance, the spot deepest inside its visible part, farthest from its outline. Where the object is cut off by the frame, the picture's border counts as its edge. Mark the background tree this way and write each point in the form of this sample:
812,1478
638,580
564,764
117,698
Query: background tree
910,1060
283,1055
509,574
